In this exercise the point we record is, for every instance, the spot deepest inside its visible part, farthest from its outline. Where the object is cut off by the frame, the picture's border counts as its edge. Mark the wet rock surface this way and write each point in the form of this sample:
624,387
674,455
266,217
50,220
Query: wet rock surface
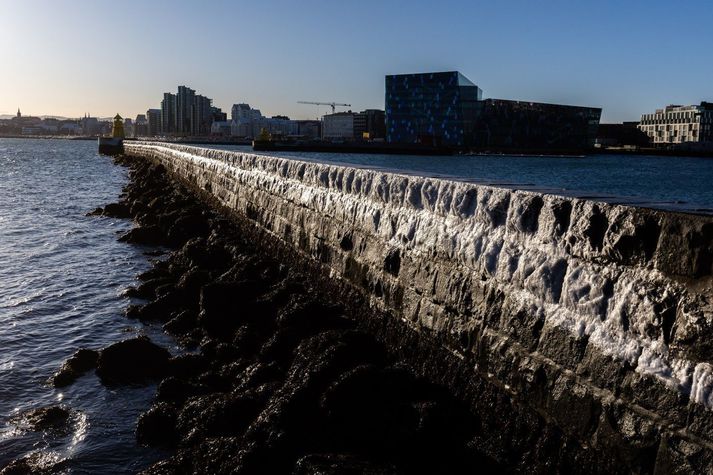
279,377
46,419
78,364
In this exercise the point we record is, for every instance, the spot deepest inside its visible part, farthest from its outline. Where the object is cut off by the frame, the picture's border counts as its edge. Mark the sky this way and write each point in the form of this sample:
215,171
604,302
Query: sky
101,57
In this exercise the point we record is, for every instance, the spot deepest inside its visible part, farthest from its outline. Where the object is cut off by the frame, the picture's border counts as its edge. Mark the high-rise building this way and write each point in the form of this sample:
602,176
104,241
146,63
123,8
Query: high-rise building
153,116
677,125
168,114
184,108
218,114
431,108
201,116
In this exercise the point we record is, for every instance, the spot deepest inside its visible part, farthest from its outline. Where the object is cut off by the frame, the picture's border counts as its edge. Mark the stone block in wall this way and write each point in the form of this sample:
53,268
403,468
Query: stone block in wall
562,346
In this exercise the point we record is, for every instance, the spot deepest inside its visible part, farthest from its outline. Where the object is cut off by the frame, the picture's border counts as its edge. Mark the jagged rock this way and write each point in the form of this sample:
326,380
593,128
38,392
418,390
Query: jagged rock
36,463
339,464
51,418
132,361
79,363
157,426
117,210
216,415
177,390
146,235
182,323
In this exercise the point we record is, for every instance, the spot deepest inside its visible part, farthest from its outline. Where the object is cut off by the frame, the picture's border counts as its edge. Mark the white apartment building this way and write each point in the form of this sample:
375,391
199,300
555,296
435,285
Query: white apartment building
679,124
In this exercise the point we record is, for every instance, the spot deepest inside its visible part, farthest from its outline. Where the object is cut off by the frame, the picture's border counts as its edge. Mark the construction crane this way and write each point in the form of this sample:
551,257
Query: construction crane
332,104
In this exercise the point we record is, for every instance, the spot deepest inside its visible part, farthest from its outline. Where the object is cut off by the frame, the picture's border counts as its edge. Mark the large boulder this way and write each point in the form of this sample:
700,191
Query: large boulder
78,364
132,361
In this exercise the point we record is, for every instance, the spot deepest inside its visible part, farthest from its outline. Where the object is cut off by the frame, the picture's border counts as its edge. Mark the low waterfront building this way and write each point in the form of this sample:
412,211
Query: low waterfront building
90,125
680,125
309,129
220,128
249,123
626,134
370,124
338,126
519,126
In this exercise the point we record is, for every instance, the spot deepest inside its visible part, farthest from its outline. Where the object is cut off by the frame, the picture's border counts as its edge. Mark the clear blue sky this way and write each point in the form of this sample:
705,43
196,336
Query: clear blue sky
102,57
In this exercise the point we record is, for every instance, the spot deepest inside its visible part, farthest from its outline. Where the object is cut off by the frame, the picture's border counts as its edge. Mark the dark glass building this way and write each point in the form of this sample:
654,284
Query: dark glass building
431,108
504,125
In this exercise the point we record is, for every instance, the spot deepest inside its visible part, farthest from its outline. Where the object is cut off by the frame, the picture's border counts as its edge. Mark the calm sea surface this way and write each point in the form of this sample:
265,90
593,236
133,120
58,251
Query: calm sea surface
62,273
61,276
680,183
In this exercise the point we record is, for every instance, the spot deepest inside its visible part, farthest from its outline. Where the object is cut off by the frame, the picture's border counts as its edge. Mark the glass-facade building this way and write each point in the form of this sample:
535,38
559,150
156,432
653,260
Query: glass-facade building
505,125
436,109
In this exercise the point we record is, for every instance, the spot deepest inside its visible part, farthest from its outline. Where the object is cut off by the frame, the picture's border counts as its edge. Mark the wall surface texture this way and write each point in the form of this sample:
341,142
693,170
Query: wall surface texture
598,317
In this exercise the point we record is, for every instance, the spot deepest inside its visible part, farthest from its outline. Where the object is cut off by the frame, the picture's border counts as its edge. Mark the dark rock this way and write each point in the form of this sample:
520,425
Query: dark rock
52,418
226,305
216,415
177,390
117,210
132,361
157,426
36,463
188,364
182,323
341,464
78,364
148,235
96,212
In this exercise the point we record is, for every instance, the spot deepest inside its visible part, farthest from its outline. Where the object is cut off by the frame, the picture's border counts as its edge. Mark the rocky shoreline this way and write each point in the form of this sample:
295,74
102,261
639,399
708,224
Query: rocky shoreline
278,375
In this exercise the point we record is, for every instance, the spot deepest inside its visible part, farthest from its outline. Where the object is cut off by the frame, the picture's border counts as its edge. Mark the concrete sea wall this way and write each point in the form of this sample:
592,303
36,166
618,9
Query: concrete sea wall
596,318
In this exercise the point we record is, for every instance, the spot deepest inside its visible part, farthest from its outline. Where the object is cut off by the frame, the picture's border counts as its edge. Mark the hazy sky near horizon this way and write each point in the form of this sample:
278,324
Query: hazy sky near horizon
626,56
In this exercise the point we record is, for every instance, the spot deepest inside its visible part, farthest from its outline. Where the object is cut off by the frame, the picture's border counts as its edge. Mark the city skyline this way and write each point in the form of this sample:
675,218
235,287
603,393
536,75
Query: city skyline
100,60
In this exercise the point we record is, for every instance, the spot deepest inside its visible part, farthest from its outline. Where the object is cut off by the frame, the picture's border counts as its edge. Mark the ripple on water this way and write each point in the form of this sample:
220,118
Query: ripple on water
62,274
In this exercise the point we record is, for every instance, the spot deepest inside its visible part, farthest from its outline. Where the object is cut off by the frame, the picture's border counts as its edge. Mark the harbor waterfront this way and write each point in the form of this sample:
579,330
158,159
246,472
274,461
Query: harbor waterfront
64,276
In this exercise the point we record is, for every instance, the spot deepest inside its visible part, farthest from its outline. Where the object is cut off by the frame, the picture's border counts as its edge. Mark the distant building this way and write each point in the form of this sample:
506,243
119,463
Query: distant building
310,129
370,124
186,113
184,105
90,125
129,127
626,134
244,120
220,128
168,114
248,122
153,116
339,125
446,109
521,126
141,126
218,115
431,108
678,125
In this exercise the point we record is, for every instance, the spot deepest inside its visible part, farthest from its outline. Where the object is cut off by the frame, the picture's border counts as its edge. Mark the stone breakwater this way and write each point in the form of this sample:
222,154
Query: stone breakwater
586,324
